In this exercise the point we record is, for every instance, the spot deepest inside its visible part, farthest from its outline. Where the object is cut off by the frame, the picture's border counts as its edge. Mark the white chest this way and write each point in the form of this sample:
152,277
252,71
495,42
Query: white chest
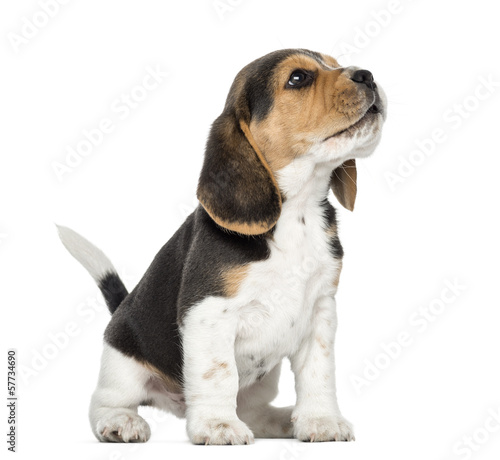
279,294
272,314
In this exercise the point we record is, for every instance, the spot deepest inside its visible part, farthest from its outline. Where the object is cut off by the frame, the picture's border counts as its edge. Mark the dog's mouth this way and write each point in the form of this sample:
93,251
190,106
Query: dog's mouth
374,109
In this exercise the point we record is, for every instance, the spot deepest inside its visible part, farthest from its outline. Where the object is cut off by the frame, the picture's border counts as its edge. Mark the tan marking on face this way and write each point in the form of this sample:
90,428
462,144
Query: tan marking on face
251,140
330,61
171,384
233,278
299,118
215,369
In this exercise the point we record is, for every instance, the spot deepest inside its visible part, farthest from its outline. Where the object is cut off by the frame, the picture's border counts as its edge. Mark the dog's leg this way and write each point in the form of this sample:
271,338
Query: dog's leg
317,416
211,376
120,390
264,420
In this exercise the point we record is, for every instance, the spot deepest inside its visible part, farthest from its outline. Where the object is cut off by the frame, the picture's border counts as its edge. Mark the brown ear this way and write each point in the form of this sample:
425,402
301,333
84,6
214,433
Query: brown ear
343,183
236,186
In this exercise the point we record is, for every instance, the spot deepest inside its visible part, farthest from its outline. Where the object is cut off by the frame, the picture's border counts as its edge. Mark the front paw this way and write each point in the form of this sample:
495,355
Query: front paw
321,429
122,425
219,431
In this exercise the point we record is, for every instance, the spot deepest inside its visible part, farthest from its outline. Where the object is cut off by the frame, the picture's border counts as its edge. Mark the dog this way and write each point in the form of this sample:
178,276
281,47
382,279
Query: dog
250,277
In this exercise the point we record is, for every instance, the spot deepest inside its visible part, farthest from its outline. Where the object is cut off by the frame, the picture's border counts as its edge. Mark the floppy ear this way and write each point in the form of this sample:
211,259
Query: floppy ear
236,186
343,183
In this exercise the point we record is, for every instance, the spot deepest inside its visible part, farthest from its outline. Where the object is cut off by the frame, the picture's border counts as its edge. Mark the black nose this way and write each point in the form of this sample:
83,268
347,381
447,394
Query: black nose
364,76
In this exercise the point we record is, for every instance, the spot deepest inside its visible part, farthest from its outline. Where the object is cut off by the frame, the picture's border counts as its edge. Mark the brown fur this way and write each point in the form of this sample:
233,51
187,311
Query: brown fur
245,228
171,384
344,184
217,367
250,145
236,177
254,228
248,134
301,117
232,279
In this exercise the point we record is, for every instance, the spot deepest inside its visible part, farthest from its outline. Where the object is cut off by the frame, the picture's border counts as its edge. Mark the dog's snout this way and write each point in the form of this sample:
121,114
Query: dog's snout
365,77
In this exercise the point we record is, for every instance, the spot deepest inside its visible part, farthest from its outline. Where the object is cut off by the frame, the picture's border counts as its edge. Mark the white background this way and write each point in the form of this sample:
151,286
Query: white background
403,244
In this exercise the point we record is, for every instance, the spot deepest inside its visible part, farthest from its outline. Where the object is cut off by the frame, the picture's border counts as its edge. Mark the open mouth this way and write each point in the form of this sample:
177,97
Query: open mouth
373,109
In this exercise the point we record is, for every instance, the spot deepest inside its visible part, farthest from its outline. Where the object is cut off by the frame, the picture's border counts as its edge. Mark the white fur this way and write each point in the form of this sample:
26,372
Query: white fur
123,385
285,307
120,390
233,347
279,312
91,257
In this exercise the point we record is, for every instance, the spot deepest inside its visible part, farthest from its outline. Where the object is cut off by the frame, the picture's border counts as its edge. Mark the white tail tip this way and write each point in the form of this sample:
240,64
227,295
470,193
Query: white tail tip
91,257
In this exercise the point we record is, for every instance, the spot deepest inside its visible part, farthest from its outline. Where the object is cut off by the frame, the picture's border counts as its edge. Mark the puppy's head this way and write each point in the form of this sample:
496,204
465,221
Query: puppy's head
285,105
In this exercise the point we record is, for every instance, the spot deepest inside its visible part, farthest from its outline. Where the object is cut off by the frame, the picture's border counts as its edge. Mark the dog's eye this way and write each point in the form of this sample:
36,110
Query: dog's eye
300,78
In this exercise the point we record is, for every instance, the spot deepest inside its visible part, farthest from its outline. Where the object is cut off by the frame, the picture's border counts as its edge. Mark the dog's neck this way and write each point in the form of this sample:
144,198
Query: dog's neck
305,184
305,187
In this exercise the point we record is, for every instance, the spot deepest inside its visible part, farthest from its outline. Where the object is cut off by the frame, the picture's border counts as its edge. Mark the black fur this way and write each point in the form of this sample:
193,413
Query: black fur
234,183
113,290
331,220
189,266
259,89
186,270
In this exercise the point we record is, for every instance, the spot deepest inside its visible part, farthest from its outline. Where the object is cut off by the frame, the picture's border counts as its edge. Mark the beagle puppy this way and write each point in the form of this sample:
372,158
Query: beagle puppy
250,277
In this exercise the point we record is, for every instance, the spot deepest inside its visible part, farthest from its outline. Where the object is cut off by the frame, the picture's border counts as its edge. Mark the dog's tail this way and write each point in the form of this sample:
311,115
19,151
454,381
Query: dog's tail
97,264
